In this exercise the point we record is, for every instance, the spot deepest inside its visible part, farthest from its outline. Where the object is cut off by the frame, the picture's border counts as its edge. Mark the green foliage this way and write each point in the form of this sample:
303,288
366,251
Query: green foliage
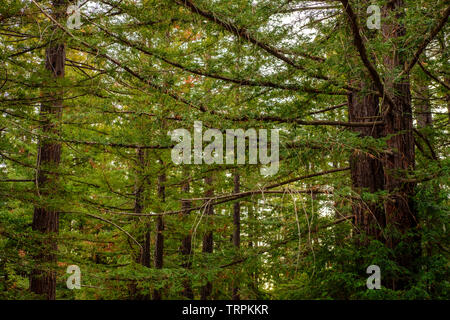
136,70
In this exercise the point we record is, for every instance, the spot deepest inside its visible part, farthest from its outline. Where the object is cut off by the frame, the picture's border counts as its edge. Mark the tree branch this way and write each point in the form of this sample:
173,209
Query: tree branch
428,39
359,44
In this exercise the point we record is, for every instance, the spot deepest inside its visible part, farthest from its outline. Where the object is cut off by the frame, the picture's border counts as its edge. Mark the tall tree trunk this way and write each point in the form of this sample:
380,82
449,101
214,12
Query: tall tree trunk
237,229
186,244
144,255
401,215
208,237
253,244
366,169
45,217
144,258
159,244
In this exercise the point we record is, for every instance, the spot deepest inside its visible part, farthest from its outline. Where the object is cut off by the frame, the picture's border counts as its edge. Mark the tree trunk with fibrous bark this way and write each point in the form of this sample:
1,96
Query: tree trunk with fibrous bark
45,216
401,214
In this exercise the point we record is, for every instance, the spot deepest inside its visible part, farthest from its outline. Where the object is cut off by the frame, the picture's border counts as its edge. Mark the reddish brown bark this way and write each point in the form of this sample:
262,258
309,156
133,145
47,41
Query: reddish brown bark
208,237
401,215
423,105
159,243
237,228
186,246
144,255
366,169
45,217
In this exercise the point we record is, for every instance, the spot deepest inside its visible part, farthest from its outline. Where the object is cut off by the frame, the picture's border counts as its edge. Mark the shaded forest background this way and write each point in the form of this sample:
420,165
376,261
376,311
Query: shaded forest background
86,176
